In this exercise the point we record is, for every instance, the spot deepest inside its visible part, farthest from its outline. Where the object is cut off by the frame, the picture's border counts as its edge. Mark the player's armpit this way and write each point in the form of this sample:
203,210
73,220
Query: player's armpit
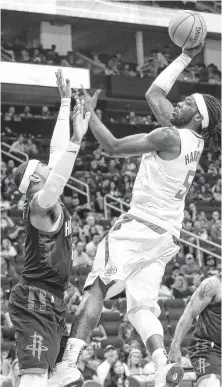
44,218
160,105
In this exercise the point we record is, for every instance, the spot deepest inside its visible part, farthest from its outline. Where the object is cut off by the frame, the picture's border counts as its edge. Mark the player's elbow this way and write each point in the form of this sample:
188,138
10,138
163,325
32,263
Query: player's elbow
112,149
152,93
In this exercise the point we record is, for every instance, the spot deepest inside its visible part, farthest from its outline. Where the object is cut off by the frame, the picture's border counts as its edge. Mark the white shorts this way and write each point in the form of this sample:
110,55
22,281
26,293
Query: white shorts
133,257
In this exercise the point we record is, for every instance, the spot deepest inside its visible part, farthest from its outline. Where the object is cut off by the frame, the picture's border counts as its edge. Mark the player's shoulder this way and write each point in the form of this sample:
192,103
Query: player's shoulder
209,286
168,135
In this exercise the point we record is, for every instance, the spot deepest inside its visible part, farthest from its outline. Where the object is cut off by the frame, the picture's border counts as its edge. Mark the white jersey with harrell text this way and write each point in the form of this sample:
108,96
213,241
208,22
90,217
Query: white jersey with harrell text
161,186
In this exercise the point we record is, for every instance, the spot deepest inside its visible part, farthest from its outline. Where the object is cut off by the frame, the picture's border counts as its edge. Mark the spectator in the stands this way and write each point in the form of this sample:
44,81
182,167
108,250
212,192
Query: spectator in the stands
25,57
36,56
135,362
211,264
45,112
204,194
18,144
212,170
214,217
7,224
215,232
111,356
180,287
117,376
190,268
8,251
83,364
119,60
93,362
126,330
127,71
196,281
26,112
165,292
10,114
80,257
30,148
3,170
216,191
175,270
159,60
64,62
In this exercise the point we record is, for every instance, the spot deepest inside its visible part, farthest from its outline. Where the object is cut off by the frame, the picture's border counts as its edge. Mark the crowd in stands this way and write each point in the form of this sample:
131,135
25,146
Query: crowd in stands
110,65
195,5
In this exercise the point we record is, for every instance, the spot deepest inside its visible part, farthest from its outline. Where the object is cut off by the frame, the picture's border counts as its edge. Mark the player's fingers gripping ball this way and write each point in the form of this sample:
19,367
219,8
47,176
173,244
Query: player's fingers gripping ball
187,29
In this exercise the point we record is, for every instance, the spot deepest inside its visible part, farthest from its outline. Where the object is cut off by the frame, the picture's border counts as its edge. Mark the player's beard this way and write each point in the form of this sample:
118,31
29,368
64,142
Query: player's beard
181,120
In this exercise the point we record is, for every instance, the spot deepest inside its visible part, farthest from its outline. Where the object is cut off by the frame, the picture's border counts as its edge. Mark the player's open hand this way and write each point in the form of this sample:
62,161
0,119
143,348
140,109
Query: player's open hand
175,355
63,85
192,52
80,121
90,102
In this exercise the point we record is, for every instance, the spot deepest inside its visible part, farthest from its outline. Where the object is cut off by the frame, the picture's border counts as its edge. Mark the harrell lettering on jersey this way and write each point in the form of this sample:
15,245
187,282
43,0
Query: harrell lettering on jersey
161,186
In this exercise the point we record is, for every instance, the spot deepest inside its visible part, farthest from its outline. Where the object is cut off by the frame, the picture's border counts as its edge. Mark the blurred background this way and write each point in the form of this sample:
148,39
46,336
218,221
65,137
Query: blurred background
120,47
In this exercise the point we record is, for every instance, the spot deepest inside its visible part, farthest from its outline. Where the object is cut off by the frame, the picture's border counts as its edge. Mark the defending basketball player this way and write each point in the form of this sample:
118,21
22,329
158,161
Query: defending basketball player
205,347
140,244
36,304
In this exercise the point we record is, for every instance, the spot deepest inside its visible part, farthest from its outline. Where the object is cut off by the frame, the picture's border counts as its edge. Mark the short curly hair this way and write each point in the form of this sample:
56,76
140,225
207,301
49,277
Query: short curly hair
19,173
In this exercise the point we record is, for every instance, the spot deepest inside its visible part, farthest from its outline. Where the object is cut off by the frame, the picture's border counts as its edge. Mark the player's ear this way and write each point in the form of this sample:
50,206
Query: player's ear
198,117
34,178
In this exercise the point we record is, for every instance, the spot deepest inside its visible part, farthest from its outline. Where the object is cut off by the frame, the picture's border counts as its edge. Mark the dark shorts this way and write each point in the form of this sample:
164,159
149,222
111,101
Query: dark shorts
38,318
205,357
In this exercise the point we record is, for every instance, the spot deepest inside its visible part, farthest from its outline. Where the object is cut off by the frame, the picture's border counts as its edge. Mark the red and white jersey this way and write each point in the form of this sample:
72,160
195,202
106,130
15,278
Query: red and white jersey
161,186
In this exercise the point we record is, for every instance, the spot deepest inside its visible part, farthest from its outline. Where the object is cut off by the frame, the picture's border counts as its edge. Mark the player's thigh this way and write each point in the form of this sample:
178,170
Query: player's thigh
209,381
142,289
37,329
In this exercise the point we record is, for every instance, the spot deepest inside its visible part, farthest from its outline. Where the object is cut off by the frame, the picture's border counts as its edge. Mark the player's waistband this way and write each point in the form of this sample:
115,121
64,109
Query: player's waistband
57,292
145,216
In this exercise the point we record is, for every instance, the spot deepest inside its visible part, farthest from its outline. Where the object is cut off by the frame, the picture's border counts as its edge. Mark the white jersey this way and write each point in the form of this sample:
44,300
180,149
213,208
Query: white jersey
161,186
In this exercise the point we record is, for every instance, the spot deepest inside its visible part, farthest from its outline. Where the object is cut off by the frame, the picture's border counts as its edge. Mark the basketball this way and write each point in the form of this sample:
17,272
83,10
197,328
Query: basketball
187,29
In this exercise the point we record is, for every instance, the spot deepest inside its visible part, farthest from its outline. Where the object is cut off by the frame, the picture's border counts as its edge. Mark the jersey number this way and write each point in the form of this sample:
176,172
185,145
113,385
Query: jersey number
187,183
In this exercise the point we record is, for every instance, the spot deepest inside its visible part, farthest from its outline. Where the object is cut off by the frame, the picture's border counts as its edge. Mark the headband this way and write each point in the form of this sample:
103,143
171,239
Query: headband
30,169
202,107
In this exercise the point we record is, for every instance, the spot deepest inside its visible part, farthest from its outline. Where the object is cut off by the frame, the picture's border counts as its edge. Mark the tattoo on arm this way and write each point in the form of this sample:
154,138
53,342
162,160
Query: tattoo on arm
198,302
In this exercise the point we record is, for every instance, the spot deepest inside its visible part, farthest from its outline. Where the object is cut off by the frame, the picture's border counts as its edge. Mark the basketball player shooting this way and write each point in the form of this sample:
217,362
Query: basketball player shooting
140,244
205,347
36,305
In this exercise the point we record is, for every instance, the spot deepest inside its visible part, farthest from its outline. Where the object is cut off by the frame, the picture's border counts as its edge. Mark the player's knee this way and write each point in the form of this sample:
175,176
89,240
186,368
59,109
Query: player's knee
145,322
34,380
212,381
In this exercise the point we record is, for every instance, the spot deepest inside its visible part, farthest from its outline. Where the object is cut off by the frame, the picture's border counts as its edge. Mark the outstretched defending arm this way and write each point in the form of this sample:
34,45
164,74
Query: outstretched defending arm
156,94
61,133
198,302
60,173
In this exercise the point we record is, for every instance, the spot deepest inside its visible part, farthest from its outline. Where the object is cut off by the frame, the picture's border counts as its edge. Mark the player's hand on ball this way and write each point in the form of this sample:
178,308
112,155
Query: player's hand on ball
192,52
175,355
63,85
80,121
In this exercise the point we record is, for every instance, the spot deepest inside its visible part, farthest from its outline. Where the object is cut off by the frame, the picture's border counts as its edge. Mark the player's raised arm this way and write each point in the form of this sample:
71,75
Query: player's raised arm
198,302
156,94
59,175
160,139
61,133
